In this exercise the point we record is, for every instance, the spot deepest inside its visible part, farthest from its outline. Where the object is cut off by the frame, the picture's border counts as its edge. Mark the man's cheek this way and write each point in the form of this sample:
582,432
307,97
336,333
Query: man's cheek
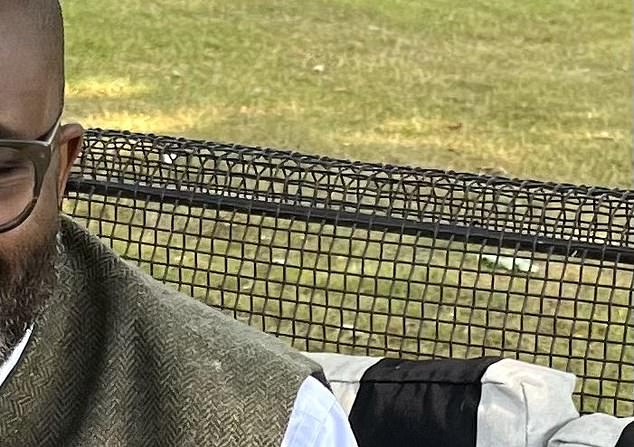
16,248
8,259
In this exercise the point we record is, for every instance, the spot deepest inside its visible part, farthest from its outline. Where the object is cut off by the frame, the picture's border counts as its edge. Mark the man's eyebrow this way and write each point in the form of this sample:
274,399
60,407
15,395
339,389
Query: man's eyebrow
7,132
10,133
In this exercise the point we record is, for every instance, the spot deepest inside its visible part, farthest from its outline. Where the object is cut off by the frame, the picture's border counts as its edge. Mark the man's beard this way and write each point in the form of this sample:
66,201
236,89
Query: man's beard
27,280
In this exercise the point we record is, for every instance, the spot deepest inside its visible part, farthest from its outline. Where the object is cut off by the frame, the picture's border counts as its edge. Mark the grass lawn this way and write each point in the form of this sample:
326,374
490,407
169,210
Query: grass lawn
538,89
362,292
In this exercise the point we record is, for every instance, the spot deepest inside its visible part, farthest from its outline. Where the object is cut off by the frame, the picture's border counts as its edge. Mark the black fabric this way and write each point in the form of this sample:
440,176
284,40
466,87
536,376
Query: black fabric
419,403
319,375
627,437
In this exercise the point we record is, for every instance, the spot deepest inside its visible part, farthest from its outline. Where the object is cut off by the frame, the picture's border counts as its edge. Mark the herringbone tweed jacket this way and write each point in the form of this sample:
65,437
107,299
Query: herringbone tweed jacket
117,359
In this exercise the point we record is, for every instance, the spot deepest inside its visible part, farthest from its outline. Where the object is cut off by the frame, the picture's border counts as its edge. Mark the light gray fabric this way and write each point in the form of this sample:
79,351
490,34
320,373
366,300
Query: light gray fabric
344,373
593,430
523,405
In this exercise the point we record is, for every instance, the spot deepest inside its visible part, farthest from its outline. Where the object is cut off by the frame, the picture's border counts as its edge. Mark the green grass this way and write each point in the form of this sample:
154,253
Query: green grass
386,293
538,89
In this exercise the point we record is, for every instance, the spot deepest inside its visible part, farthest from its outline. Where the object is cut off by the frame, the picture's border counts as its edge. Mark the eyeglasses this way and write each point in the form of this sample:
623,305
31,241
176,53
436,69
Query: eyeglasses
23,165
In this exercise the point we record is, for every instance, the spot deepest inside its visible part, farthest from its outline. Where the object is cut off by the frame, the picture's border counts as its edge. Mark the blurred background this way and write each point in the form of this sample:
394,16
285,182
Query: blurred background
535,89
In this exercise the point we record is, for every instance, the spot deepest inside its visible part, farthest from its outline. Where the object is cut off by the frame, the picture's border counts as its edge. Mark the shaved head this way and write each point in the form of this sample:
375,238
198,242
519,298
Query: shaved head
31,99
43,27
32,39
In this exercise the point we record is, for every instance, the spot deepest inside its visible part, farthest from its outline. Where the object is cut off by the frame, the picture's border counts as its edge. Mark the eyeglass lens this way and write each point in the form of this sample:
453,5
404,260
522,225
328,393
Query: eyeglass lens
17,181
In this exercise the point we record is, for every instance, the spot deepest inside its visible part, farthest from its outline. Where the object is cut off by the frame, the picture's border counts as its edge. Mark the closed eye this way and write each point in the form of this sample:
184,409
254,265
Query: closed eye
14,170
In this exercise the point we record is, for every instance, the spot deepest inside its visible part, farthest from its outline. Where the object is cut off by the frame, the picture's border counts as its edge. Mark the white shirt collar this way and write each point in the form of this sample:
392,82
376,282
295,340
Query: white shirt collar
14,357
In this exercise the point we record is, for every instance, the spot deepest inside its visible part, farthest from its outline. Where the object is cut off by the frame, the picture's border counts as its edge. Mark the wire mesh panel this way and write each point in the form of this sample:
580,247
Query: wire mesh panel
377,260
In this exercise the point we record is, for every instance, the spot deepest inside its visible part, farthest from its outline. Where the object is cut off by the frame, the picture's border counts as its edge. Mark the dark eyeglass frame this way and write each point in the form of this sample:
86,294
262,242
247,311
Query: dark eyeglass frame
39,152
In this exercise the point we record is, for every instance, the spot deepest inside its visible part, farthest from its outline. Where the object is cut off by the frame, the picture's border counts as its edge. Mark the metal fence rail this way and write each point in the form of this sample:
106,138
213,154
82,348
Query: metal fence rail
377,260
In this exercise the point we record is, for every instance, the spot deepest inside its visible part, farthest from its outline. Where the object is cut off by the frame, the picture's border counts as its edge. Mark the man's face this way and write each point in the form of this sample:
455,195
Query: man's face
29,105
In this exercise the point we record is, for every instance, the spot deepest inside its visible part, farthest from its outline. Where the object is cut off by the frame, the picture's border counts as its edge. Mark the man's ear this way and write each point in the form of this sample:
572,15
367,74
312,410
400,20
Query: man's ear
70,144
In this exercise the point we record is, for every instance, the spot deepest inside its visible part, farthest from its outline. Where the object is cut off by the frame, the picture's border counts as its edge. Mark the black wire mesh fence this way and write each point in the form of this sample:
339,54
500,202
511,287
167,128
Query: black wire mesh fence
377,260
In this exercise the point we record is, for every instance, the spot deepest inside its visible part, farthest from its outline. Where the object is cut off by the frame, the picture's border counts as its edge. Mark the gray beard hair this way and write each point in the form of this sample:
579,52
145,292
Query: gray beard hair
25,289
